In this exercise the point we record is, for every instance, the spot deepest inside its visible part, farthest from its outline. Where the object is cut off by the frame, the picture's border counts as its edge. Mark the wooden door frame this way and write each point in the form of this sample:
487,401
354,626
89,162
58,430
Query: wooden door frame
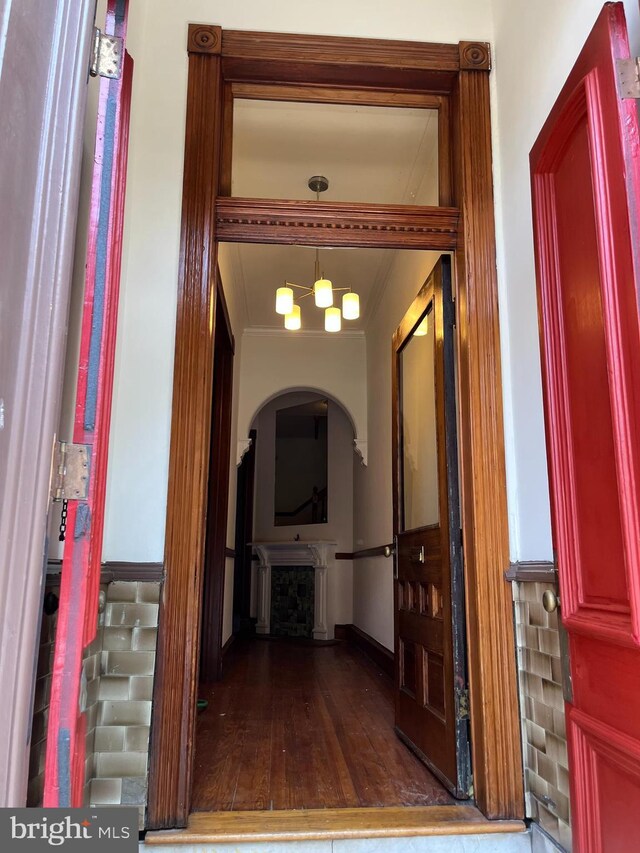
455,80
218,493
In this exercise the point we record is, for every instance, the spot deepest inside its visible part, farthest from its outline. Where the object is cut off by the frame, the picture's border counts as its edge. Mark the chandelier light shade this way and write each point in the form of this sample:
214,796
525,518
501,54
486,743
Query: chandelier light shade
284,300
423,328
323,293
292,320
350,306
332,320
322,290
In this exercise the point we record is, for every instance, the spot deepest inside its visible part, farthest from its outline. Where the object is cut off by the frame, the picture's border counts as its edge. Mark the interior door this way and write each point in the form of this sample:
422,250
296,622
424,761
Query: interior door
80,581
431,699
586,173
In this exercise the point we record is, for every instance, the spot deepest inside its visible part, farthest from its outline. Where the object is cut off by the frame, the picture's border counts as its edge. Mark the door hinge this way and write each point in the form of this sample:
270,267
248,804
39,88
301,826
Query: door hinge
70,480
106,55
462,703
628,76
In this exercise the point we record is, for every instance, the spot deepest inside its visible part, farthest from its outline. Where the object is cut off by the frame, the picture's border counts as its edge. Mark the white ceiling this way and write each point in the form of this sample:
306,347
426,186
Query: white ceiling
383,155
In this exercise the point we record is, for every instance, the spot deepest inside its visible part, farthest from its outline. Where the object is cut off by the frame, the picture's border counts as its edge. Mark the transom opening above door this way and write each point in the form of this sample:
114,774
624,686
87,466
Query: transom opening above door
377,155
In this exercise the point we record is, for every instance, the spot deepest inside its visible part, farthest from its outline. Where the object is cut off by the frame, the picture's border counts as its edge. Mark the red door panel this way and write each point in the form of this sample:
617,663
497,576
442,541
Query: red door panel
80,582
585,167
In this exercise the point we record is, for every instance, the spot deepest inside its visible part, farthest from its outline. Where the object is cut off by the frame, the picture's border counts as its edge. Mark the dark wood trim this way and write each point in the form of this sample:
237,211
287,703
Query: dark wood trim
117,571
381,656
226,167
338,50
204,38
218,496
378,551
333,61
175,687
329,95
495,723
475,56
318,223
530,572
230,553
272,59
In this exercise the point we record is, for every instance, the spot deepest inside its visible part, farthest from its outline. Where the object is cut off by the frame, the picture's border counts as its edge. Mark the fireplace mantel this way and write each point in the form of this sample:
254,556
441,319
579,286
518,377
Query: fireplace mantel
320,554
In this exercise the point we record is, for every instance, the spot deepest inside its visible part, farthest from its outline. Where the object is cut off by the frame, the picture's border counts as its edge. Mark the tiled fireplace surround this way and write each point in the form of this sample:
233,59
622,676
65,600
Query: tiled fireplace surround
119,668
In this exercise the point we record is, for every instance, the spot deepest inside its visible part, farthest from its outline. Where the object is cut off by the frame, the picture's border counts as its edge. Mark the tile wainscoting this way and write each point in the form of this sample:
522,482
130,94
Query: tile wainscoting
542,712
119,669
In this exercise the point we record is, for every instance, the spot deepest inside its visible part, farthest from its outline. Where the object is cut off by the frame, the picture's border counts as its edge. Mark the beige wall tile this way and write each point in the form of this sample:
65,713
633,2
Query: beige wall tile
137,739
128,713
130,663
117,639
144,639
124,614
121,591
148,592
142,687
114,687
118,764
109,738
105,792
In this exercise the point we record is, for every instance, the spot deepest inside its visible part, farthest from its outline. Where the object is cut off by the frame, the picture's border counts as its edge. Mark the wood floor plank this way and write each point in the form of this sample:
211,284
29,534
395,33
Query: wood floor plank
304,727
301,825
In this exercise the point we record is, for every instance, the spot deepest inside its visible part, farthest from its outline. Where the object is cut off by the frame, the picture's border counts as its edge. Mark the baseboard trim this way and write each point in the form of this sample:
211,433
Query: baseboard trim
375,651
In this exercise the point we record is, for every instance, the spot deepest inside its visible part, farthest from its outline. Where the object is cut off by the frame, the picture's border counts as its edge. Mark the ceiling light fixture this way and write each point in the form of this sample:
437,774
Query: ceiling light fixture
322,289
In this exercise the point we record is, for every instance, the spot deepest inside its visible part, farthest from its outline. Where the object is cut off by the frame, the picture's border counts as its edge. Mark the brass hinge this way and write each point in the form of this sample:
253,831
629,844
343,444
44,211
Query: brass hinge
70,480
462,703
628,75
106,55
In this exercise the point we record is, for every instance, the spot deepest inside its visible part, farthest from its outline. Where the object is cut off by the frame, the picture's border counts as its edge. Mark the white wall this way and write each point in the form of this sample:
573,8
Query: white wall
274,362
139,448
339,526
373,507
535,47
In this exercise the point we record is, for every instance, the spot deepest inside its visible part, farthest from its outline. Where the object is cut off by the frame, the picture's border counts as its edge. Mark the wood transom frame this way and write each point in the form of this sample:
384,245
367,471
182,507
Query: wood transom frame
454,79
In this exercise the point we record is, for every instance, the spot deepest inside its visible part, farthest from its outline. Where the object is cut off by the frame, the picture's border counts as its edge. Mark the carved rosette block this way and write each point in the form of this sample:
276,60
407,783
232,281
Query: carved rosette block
475,56
204,38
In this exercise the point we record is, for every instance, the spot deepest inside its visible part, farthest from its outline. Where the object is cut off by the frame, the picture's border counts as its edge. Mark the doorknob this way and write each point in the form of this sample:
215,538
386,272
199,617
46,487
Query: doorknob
550,600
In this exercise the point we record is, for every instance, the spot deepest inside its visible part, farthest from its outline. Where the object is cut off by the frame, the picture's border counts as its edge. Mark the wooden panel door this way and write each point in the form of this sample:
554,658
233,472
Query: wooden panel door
586,174
431,704
80,583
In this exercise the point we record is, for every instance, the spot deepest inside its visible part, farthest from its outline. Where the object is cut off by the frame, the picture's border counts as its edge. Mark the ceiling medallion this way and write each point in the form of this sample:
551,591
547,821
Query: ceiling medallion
322,290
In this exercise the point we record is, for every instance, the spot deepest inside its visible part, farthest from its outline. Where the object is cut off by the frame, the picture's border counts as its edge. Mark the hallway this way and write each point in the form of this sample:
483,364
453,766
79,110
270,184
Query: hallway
300,726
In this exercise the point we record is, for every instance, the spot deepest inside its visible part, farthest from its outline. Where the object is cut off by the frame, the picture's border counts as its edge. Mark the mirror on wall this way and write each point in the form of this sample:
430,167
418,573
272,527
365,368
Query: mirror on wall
301,464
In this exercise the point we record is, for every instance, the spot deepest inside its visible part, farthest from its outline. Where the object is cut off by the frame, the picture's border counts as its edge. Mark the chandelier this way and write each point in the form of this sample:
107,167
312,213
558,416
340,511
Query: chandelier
322,290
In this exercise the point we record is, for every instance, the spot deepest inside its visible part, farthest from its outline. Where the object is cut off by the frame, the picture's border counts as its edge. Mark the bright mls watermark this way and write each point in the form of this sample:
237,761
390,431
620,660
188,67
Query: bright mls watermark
104,830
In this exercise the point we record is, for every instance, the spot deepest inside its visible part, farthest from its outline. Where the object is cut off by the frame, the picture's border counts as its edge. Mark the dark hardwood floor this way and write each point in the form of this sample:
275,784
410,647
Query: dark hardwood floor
299,726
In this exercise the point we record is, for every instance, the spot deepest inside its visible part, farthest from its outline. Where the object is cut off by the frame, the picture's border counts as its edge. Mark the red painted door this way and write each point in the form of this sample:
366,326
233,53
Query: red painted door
80,582
586,177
